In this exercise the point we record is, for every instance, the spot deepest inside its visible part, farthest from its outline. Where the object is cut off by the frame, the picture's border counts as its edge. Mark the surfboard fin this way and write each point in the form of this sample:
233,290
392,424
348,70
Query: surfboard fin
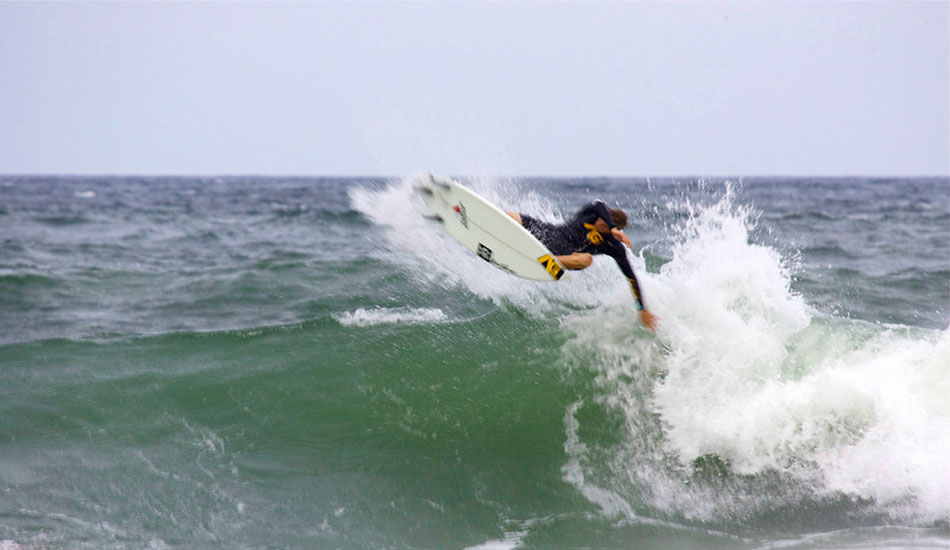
434,217
424,190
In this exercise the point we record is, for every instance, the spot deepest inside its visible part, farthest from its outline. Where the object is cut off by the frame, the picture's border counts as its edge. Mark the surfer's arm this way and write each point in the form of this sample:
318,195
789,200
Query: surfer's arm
600,208
646,317
619,255
620,236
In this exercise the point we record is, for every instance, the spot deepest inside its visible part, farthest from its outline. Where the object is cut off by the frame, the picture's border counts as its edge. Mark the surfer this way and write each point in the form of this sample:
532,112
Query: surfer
595,229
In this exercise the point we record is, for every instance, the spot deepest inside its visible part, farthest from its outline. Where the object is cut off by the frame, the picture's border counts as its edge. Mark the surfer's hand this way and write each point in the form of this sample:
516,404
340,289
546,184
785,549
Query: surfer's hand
618,234
649,320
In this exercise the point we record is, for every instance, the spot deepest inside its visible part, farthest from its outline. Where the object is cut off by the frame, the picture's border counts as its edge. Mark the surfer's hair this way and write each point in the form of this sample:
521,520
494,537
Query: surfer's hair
619,217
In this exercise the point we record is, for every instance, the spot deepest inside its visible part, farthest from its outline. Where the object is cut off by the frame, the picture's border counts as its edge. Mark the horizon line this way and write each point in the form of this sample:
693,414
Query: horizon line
419,172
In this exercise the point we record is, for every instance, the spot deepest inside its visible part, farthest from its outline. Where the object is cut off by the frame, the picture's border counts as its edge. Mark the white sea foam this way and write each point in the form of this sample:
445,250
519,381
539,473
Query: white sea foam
746,372
381,316
514,535
510,541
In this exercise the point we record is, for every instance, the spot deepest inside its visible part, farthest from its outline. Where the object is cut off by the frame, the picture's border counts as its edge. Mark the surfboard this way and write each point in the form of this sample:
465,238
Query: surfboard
487,231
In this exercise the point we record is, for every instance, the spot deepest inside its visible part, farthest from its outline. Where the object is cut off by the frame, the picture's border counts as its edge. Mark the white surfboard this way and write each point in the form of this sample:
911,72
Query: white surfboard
487,231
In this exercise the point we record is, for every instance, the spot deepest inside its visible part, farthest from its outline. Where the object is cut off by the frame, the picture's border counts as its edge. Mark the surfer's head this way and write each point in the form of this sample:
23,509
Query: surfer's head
619,217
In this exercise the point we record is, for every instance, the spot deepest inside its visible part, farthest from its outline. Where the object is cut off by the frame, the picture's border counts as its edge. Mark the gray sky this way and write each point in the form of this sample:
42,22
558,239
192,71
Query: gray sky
475,88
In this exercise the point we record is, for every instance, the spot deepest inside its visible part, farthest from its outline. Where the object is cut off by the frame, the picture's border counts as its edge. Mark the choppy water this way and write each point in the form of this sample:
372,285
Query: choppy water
307,363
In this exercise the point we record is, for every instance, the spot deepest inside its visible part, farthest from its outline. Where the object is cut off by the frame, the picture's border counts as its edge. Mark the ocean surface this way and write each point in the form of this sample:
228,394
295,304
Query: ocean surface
267,363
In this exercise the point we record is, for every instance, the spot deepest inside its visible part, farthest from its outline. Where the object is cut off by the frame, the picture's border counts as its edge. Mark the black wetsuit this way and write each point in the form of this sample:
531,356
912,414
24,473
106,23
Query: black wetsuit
579,235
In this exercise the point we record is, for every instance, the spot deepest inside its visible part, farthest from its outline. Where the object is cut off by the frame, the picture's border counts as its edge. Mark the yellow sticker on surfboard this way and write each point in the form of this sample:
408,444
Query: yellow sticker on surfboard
551,265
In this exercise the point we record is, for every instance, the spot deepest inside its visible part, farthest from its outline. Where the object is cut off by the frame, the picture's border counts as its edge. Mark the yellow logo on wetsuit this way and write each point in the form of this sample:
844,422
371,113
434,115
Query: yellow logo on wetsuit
594,236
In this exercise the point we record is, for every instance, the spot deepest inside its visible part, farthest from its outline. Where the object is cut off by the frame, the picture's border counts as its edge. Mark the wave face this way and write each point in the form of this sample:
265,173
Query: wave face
290,363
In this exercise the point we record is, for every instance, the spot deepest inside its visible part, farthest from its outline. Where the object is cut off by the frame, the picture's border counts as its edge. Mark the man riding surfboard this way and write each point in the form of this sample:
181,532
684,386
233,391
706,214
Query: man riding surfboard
595,229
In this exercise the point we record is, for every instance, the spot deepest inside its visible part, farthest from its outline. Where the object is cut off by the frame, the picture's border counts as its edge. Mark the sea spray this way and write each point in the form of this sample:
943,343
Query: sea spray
757,402
728,314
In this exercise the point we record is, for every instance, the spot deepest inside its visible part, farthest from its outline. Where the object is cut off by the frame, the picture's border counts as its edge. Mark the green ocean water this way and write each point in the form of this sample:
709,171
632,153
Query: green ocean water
308,363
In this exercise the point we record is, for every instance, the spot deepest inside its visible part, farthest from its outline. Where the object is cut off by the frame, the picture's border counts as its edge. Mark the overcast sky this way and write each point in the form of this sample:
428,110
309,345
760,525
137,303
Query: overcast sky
474,88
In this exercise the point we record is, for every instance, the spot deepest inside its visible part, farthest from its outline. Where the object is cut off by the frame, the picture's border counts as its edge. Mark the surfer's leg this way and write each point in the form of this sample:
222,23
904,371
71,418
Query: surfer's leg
577,260
515,216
